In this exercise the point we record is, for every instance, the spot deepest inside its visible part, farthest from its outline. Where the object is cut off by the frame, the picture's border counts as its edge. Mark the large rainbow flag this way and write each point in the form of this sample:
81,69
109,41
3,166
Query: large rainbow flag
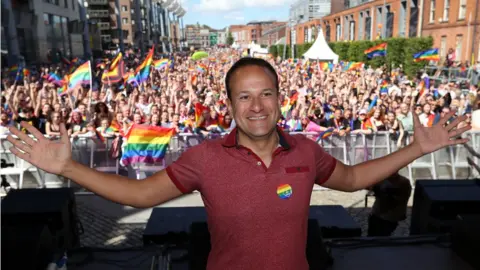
82,75
427,55
379,50
146,144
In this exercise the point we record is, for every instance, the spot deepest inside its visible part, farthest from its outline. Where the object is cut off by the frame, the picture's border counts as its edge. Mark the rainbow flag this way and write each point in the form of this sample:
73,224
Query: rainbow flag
82,75
13,70
427,55
143,71
366,124
354,66
379,50
372,104
322,66
384,88
146,144
201,68
325,134
160,64
199,109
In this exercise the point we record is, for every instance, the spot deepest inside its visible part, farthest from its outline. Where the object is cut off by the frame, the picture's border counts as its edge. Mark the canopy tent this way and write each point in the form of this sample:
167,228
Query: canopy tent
321,51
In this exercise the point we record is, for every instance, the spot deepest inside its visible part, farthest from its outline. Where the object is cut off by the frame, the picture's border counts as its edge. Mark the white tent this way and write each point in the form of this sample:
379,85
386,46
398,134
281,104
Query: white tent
321,51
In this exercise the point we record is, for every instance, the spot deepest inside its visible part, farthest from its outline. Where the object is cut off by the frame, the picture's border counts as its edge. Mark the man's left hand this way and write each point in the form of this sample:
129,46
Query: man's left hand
430,139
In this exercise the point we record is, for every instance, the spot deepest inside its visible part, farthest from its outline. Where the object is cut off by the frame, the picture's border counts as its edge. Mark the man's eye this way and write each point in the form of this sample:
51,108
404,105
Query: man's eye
244,97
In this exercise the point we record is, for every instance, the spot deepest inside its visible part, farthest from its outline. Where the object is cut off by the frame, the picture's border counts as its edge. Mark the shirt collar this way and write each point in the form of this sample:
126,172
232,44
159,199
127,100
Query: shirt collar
285,140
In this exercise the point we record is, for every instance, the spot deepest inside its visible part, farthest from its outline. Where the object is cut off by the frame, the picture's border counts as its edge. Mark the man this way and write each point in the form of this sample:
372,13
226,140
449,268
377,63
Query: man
256,182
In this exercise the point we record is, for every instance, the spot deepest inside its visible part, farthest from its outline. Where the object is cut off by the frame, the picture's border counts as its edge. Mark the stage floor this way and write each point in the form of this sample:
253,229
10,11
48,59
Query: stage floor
399,257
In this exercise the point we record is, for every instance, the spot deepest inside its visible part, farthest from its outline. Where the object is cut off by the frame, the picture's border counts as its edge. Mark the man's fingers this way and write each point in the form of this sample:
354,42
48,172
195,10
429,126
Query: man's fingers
458,132
22,136
19,144
64,133
459,141
455,122
20,154
35,132
416,120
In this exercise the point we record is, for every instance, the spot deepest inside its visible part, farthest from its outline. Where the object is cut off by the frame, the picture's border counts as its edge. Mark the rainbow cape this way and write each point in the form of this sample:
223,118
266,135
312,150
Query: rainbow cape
146,144
379,50
427,55
82,75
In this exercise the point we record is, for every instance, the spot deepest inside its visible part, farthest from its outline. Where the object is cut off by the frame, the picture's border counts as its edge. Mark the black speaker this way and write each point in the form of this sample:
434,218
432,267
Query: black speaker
55,208
316,252
31,247
437,204
466,239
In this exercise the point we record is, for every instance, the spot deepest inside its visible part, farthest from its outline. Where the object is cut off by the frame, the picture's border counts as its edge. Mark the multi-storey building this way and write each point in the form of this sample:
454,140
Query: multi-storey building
244,35
304,10
33,29
453,25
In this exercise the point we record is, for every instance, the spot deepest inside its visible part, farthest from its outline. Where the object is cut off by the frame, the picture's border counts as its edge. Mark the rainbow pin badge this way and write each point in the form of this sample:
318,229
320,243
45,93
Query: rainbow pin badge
284,191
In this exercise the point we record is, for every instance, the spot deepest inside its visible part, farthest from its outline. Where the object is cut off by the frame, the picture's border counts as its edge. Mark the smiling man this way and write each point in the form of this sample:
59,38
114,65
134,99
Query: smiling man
256,183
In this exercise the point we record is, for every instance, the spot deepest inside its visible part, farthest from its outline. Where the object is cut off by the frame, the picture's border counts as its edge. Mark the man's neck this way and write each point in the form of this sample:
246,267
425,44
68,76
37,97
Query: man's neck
261,146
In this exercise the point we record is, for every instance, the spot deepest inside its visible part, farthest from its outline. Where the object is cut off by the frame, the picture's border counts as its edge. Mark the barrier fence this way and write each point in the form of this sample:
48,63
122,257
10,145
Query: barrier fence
450,162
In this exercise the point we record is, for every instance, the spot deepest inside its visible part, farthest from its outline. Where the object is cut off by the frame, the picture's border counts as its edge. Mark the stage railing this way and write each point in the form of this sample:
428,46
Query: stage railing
351,149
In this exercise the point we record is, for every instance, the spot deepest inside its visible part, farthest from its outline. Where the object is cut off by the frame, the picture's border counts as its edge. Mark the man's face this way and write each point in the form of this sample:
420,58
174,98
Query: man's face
254,102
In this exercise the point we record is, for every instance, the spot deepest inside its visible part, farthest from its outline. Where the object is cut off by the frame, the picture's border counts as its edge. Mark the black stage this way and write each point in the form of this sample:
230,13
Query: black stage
412,253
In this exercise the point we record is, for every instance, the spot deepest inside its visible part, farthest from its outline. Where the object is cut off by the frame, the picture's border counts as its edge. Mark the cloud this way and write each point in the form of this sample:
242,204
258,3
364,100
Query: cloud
235,15
233,5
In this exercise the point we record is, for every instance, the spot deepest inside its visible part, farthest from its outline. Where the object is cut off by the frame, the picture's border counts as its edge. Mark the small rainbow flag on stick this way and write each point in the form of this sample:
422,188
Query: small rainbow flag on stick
146,144
428,55
159,64
379,50
82,75
325,134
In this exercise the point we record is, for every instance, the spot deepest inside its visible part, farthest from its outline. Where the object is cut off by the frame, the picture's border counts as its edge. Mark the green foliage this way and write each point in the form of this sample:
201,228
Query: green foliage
230,39
273,51
400,52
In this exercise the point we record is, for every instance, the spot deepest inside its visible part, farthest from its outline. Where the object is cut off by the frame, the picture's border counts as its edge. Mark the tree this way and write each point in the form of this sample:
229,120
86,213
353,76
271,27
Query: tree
229,38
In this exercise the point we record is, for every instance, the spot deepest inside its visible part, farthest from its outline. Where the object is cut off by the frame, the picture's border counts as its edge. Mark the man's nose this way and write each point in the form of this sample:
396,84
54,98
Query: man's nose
256,104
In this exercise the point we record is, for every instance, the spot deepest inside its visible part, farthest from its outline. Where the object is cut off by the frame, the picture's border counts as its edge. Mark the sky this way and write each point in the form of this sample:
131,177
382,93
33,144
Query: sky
221,13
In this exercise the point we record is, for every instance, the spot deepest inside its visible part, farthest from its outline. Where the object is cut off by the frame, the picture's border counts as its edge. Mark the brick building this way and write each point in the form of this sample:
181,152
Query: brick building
271,35
252,31
453,24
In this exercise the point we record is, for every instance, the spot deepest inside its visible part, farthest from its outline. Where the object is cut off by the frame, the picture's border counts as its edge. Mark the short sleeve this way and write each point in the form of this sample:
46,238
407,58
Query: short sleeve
185,172
324,164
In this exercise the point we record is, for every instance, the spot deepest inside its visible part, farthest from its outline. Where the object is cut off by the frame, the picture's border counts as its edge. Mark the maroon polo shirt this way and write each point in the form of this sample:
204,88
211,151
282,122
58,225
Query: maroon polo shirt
257,216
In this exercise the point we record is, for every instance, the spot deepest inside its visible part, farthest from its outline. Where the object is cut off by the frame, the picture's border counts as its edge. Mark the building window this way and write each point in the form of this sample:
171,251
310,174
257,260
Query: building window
133,22
327,33
432,12
73,4
124,9
352,30
446,10
458,46
443,47
462,9
339,32
124,20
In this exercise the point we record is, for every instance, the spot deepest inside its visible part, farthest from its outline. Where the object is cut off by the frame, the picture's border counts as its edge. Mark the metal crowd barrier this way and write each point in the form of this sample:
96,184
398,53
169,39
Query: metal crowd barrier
352,149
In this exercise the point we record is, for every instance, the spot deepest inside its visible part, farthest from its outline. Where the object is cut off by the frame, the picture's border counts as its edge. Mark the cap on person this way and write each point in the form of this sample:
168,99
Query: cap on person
362,111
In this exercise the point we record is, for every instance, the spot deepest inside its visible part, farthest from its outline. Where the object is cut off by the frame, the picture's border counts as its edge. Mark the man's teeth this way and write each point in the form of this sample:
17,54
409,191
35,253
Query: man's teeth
257,118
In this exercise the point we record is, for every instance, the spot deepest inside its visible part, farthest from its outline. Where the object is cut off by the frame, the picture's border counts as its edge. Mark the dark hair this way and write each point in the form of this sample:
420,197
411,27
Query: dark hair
244,62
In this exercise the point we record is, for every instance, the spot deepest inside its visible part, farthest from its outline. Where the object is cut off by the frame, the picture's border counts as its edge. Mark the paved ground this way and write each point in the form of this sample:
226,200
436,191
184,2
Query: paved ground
111,225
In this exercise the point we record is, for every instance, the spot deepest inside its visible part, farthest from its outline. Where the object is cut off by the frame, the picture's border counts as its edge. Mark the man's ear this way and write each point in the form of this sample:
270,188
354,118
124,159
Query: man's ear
229,106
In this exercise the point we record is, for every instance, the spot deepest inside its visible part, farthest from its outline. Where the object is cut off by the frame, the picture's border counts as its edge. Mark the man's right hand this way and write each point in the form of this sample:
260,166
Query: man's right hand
51,156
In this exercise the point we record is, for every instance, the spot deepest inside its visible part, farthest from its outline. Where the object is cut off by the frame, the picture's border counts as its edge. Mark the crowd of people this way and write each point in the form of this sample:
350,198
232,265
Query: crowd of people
314,99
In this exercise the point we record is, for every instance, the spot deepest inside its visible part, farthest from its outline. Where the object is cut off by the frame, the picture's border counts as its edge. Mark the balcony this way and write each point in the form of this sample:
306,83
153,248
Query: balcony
103,13
97,2
103,26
